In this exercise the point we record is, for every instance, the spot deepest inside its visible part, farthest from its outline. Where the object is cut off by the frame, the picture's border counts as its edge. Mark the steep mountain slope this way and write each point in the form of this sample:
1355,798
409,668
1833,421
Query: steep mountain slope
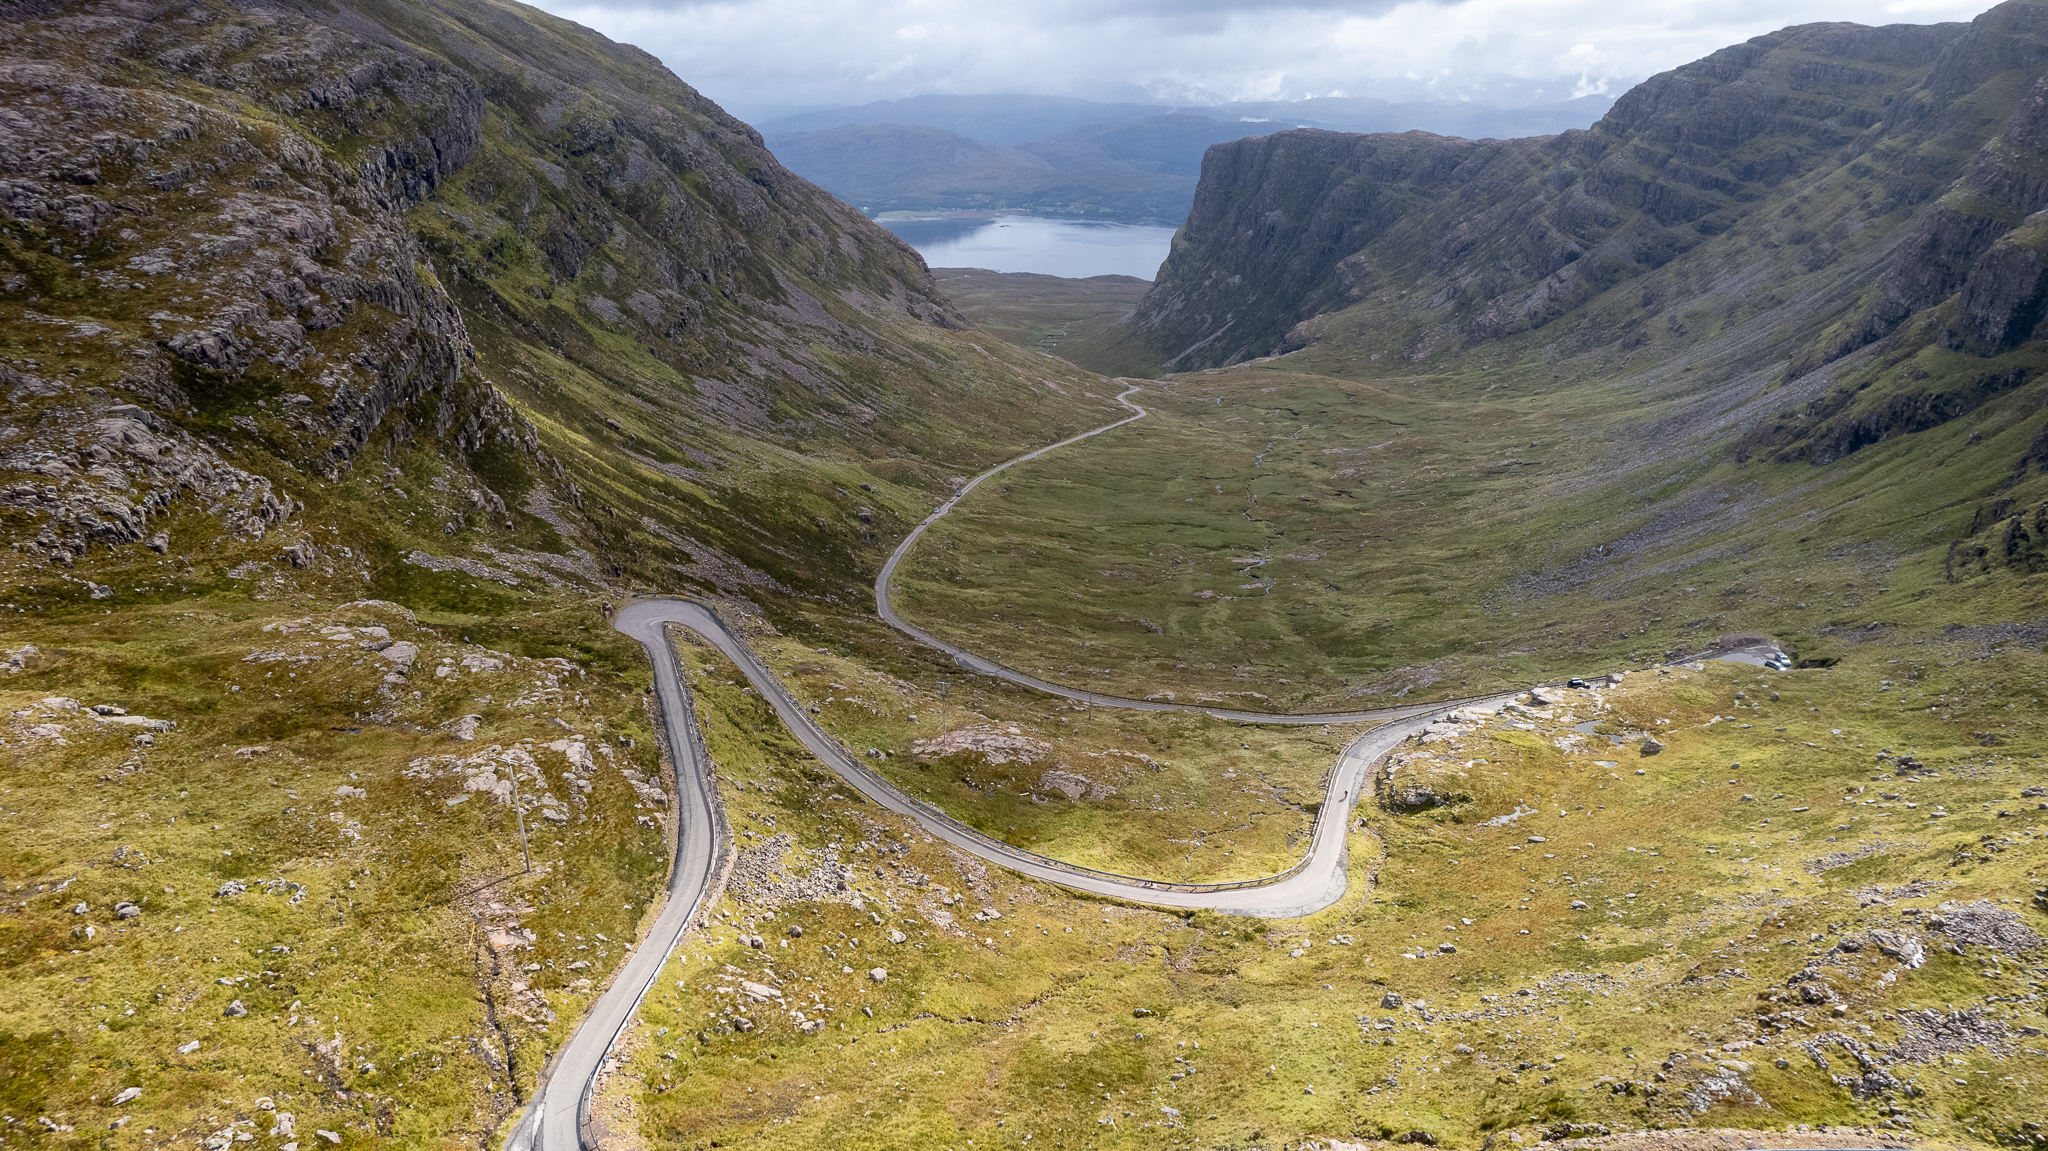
342,343
1472,118
1773,321
1489,238
688,299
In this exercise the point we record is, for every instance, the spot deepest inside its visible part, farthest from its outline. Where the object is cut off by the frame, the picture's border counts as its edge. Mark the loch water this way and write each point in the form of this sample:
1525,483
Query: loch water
1072,248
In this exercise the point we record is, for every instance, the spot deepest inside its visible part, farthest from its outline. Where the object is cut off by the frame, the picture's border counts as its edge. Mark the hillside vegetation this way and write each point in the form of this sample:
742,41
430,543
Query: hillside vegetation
356,360
1753,361
360,357
1806,925
1048,313
1719,365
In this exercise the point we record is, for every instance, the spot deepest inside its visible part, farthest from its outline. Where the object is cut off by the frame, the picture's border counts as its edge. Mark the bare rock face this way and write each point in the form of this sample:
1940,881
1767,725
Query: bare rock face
1074,785
1462,241
1984,924
275,240
1947,248
989,744
1413,796
1904,948
237,248
1419,782
83,480
242,242
2006,295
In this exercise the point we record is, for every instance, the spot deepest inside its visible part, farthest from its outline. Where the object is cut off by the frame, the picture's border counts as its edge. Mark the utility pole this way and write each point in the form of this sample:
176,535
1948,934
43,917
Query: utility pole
519,811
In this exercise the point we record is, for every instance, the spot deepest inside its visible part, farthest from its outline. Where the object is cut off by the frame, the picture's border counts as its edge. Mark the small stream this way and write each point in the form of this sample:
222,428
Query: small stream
1588,726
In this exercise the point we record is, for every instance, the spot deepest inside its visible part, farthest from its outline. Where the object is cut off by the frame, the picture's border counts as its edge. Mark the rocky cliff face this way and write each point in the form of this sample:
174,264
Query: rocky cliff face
1839,233
2001,61
243,247
1458,242
170,254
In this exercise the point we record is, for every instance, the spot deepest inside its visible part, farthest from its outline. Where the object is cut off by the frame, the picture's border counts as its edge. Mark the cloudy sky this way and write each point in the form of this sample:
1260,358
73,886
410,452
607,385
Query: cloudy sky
756,54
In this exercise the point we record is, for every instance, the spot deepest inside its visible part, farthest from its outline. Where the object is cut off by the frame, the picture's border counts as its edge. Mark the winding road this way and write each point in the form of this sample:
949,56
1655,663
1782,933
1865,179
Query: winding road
558,1118
977,664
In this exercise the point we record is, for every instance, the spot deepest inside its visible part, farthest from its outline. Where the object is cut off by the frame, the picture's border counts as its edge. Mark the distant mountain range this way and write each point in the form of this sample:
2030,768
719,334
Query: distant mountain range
1070,157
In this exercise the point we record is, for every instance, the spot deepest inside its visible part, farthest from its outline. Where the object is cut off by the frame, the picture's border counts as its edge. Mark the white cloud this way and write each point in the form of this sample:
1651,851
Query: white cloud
756,52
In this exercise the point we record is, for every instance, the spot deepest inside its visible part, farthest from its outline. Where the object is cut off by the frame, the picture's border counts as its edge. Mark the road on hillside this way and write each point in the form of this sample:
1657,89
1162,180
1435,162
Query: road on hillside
558,1118
555,1119
980,666
1313,884
559,1114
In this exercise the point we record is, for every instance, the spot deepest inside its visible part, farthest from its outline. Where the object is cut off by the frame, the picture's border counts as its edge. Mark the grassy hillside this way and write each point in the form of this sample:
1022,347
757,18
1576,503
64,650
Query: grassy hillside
304,899
1048,313
356,360
1816,420
1435,493
1282,539
1642,944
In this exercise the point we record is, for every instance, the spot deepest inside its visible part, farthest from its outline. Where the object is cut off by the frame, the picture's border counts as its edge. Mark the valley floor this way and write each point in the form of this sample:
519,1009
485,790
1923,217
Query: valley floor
1832,868
360,362
1564,936
1709,895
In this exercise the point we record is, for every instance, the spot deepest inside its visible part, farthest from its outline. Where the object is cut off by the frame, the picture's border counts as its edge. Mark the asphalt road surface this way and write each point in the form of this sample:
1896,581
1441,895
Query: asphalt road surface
1313,884
552,1121
977,664
555,1119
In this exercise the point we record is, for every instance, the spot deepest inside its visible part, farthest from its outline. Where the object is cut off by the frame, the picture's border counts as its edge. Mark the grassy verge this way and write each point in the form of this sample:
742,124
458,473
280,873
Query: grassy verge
1164,795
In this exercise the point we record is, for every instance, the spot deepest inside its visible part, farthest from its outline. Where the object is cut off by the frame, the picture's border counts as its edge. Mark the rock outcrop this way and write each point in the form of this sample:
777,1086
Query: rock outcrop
286,238
1991,201
1458,242
97,474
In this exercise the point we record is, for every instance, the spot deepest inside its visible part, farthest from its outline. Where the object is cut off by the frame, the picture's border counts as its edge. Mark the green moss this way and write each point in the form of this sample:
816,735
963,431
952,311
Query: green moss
32,1067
